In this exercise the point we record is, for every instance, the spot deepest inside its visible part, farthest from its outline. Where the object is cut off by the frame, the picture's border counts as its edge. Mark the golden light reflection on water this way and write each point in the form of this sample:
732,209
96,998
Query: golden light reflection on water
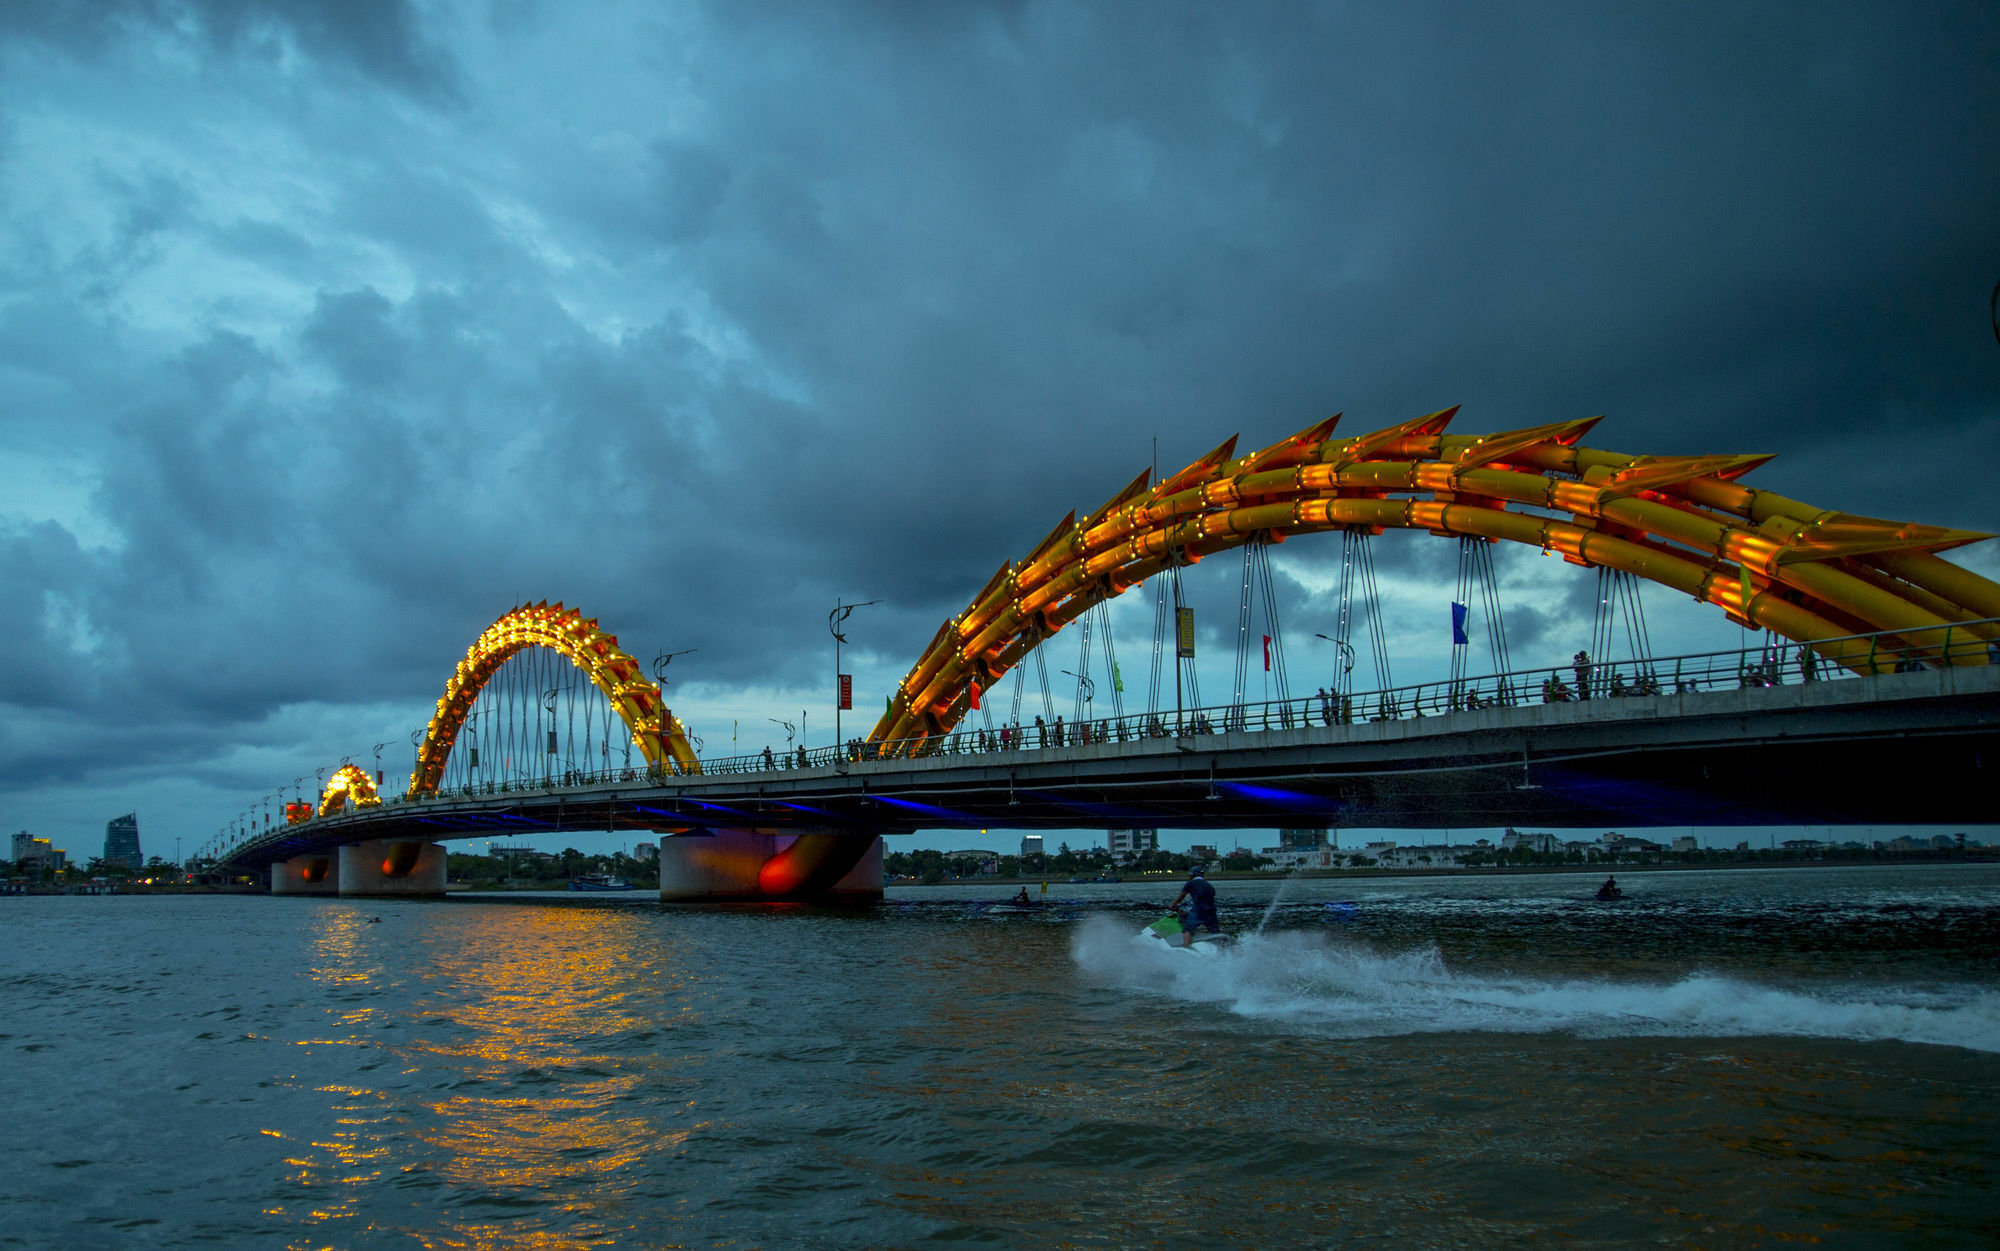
539,1020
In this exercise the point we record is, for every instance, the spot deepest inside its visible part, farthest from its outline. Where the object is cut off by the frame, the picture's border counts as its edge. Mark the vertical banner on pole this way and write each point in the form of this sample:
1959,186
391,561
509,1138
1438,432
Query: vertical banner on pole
846,691
975,696
1184,633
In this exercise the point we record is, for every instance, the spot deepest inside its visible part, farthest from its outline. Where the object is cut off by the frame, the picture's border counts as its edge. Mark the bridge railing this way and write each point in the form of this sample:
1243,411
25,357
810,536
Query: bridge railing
1777,663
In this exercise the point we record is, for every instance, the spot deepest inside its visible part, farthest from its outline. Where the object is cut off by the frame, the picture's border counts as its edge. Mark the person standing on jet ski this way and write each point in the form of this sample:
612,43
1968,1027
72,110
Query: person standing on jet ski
1202,896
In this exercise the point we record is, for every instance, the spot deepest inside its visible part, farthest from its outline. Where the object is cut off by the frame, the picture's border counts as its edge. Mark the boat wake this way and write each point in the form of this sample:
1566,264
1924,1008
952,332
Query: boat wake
1323,985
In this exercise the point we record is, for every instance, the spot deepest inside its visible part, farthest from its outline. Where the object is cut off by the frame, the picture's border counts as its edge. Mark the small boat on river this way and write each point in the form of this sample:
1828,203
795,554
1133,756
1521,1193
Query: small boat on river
598,881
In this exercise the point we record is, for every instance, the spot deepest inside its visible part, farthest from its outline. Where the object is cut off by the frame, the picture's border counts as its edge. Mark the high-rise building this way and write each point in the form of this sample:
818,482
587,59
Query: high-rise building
1301,840
1131,844
1031,845
121,841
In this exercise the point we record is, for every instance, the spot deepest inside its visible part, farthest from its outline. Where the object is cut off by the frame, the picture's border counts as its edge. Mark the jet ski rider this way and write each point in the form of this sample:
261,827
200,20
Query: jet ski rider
1199,893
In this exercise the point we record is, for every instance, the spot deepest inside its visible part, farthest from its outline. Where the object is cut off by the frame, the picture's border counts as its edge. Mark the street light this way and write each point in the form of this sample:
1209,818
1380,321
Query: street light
1346,659
1085,687
661,661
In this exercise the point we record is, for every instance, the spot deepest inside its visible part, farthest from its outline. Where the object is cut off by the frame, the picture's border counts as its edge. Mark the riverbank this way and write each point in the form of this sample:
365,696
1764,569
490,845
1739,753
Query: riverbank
1981,856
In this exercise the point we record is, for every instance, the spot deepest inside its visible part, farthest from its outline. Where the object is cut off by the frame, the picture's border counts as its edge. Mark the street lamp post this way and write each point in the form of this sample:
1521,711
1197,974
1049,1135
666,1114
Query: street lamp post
834,620
1342,685
1086,688
1346,659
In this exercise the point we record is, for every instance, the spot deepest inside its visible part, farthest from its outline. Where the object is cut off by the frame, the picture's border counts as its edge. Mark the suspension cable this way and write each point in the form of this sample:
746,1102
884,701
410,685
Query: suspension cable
1079,708
1371,609
1271,626
1235,716
1187,666
1116,678
1461,603
1042,672
1161,617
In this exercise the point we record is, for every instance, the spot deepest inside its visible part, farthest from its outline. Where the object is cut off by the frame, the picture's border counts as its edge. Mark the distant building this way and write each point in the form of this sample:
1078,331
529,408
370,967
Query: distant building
1301,840
1031,845
1431,856
121,841
1320,857
1131,844
1626,845
1203,851
646,851
518,853
1533,842
1686,842
29,850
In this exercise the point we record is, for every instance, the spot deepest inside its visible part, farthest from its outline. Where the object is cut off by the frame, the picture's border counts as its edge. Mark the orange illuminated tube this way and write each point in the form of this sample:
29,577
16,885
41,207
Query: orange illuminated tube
1682,521
660,736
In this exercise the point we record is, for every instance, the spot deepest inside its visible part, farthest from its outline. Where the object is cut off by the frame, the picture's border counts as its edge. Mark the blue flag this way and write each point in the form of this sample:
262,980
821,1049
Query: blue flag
1458,634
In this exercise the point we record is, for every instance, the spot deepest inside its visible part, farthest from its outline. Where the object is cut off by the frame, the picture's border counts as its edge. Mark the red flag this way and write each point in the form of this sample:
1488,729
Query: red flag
1267,653
975,696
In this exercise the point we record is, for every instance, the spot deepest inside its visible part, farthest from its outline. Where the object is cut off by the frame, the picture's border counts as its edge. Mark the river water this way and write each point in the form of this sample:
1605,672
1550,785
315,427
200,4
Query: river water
1722,1059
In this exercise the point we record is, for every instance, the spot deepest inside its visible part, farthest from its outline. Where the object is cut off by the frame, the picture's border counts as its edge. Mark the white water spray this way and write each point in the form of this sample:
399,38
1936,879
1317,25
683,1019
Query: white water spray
1310,983
1276,899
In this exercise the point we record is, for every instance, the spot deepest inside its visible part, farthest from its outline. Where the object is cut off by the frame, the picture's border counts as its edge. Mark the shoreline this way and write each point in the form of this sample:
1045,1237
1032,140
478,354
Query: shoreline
1355,875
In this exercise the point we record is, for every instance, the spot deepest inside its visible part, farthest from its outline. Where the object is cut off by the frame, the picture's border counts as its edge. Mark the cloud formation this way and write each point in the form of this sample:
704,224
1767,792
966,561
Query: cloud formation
330,331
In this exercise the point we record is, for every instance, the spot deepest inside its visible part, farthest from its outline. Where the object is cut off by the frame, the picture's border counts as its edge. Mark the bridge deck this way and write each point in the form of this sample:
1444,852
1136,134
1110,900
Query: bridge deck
1898,748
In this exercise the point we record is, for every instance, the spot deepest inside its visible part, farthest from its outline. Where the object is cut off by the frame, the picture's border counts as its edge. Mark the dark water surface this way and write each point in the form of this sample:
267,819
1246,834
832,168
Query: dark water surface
1722,1060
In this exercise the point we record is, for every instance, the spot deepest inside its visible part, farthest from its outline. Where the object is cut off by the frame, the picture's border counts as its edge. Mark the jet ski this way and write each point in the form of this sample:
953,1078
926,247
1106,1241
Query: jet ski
1171,933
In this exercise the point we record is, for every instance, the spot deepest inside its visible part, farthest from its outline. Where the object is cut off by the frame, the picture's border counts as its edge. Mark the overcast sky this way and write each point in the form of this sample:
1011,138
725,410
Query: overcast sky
331,329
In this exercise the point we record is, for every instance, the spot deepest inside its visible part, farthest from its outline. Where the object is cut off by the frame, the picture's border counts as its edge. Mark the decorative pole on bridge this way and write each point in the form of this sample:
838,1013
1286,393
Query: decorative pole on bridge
1344,680
843,683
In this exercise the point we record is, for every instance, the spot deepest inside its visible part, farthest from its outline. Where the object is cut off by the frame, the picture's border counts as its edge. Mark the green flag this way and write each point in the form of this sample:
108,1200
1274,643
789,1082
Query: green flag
1117,679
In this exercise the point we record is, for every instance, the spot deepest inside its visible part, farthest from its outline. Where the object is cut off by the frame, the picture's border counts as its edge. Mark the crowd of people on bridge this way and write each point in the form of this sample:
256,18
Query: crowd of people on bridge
1326,706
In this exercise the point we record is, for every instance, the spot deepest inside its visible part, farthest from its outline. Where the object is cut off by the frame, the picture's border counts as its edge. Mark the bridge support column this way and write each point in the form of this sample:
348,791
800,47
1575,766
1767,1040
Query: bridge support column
305,875
764,865
392,867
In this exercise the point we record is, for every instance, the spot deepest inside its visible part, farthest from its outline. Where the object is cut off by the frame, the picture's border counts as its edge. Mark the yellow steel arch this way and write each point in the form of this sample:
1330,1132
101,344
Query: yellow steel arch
349,783
1682,521
661,738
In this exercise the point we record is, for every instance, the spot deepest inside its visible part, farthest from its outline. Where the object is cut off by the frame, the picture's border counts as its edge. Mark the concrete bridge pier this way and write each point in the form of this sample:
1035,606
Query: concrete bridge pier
392,867
305,875
721,866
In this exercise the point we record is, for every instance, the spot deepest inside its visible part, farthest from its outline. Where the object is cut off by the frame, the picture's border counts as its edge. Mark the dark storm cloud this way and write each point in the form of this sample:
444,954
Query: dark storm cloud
379,38
703,320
